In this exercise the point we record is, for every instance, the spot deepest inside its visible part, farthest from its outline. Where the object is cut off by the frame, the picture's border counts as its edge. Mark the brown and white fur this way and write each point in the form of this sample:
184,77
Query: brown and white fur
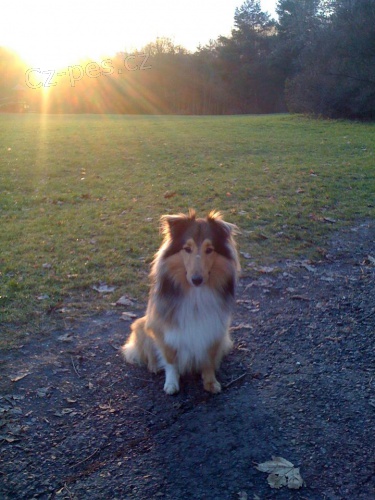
186,326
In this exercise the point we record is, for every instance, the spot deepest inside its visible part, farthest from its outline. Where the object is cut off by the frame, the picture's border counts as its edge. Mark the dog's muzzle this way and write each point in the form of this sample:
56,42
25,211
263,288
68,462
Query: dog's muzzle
197,280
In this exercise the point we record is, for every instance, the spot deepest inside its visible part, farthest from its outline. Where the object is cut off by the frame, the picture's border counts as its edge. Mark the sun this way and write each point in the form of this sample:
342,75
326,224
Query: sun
56,55
51,35
54,35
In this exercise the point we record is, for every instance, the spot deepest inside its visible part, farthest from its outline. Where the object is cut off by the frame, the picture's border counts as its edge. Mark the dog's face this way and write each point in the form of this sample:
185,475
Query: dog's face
197,244
198,258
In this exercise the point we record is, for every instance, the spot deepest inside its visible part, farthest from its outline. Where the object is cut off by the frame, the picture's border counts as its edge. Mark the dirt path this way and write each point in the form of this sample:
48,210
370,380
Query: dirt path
78,423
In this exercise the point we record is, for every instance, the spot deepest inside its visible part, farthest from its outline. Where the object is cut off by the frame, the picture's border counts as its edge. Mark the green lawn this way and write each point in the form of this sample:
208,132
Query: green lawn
81,196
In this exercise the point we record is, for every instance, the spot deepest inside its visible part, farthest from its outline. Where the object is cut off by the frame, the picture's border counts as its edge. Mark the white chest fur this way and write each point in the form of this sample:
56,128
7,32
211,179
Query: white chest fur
202,321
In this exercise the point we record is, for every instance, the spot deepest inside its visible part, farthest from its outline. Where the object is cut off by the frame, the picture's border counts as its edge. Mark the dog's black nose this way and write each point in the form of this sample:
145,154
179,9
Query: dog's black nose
197,280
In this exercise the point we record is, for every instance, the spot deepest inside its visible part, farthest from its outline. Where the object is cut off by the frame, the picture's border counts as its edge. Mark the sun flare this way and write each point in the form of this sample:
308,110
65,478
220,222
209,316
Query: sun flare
58,34
52,35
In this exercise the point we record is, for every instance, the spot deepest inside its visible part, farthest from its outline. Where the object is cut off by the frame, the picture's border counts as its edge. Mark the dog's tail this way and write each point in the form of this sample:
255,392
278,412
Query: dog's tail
140,348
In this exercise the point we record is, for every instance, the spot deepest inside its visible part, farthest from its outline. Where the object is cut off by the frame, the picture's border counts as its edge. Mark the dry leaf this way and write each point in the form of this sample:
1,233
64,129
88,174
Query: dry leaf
277,465
245,255
67,337
309,268
19,377
124,301
103,288
370,260
327,279
241,326
128,316
43,392
276,481
9,439
295,480
266,269
169,194
43,297
281,473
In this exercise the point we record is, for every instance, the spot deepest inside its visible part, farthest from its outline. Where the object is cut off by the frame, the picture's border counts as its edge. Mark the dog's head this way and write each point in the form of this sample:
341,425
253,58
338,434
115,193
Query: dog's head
198,243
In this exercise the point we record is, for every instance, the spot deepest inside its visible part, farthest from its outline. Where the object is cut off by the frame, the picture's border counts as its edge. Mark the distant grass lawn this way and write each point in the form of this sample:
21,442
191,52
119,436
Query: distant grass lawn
81,196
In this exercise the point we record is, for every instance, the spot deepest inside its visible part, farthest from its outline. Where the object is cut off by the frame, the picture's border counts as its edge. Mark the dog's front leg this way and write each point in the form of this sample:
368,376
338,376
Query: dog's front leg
172,384
210,383
172,376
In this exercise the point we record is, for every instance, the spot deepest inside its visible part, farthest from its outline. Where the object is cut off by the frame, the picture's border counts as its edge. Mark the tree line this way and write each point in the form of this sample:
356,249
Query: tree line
318,57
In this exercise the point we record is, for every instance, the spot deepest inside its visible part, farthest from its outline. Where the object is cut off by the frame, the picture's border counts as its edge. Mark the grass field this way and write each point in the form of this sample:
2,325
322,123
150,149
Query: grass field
81,197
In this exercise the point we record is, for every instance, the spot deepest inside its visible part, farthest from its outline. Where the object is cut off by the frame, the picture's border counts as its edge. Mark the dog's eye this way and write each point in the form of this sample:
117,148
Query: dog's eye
209,250
187,249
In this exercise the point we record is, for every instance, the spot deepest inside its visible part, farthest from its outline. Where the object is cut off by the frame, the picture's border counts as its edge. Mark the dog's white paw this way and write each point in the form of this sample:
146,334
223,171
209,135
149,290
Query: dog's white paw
171,387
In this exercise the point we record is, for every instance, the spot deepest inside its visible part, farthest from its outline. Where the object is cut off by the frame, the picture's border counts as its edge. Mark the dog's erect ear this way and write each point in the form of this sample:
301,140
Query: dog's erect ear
173,225
227,227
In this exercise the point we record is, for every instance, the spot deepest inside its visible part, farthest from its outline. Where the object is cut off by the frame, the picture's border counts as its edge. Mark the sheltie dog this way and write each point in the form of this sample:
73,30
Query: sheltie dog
193,280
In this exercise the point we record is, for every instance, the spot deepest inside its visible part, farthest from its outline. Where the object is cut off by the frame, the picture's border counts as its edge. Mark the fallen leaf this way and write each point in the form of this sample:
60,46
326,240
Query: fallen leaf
281,473
103,288
43,297
309,268
55,308
266,269
261,236
124,301
276,481
19,377
295,481
67,337
277,465
370,260
43,392
242,495
241,326
128,316
9,439
66,411
245,255
169,194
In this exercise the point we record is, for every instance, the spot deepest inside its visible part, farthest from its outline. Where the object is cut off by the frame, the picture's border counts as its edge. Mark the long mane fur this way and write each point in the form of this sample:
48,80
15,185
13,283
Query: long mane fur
167,289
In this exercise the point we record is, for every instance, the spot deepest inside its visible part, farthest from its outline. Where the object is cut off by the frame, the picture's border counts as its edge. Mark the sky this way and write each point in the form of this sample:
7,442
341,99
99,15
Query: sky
61,32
